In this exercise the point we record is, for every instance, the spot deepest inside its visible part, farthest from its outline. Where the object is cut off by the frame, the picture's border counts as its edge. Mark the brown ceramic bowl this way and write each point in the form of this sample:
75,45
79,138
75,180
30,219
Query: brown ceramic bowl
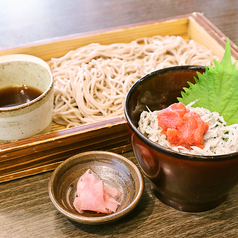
186,182
115,170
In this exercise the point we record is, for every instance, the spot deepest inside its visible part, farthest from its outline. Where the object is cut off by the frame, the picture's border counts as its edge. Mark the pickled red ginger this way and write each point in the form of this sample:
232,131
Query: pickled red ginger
93,195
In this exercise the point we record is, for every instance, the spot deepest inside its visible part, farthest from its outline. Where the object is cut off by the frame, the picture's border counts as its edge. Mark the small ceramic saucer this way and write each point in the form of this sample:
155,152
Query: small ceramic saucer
115,170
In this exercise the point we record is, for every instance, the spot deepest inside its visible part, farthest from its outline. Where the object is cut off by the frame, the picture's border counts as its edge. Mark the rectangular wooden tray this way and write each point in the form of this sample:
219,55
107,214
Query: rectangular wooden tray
45,152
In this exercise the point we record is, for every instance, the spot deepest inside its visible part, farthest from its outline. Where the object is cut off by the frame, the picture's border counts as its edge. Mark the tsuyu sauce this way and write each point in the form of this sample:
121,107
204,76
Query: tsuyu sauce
16,95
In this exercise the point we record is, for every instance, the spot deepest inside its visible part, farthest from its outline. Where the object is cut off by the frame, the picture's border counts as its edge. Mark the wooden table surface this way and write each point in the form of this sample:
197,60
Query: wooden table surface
25,206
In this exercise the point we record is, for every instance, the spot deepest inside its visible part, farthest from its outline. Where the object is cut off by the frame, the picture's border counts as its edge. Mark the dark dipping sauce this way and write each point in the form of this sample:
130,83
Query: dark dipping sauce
11,96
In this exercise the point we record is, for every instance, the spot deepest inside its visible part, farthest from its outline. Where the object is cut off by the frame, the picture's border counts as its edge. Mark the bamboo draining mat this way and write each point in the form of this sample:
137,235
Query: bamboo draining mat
45,152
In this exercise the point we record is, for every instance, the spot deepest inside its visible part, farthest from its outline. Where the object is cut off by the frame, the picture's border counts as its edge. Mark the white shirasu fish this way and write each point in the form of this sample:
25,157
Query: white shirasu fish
220,139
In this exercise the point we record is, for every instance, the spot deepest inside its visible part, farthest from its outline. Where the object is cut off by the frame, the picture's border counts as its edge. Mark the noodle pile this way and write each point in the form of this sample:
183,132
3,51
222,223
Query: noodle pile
91,82
219,139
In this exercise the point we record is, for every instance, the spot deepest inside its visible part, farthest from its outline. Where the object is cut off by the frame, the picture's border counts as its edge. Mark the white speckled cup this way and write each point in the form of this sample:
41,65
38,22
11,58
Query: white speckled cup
35,116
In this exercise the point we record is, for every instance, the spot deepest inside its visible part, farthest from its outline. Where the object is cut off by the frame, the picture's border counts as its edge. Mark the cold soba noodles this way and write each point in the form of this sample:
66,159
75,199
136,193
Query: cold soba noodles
91,82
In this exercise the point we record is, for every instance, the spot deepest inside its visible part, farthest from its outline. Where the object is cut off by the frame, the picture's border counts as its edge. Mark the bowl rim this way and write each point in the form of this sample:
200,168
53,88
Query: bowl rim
5,59
108,217
156,146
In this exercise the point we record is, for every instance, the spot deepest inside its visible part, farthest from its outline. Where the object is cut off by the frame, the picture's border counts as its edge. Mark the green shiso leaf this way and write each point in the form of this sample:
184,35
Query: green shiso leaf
216,89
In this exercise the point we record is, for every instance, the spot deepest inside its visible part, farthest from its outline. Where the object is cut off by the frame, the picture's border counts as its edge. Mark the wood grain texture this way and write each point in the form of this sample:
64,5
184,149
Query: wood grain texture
26,211
25,207
23,21
44,152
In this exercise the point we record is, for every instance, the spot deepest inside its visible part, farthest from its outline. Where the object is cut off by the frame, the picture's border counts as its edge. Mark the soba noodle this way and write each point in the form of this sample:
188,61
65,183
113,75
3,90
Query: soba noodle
219,139
91,82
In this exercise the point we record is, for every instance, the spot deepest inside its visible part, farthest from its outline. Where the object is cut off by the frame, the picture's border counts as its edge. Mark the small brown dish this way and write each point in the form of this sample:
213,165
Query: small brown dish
114,169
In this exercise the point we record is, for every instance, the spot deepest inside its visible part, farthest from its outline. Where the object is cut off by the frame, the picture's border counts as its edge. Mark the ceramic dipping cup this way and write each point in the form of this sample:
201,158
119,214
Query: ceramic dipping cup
34,116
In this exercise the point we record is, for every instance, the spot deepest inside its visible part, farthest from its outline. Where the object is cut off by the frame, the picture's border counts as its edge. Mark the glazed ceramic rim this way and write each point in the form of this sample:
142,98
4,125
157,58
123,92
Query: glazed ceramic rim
178,155
34,60
108,217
